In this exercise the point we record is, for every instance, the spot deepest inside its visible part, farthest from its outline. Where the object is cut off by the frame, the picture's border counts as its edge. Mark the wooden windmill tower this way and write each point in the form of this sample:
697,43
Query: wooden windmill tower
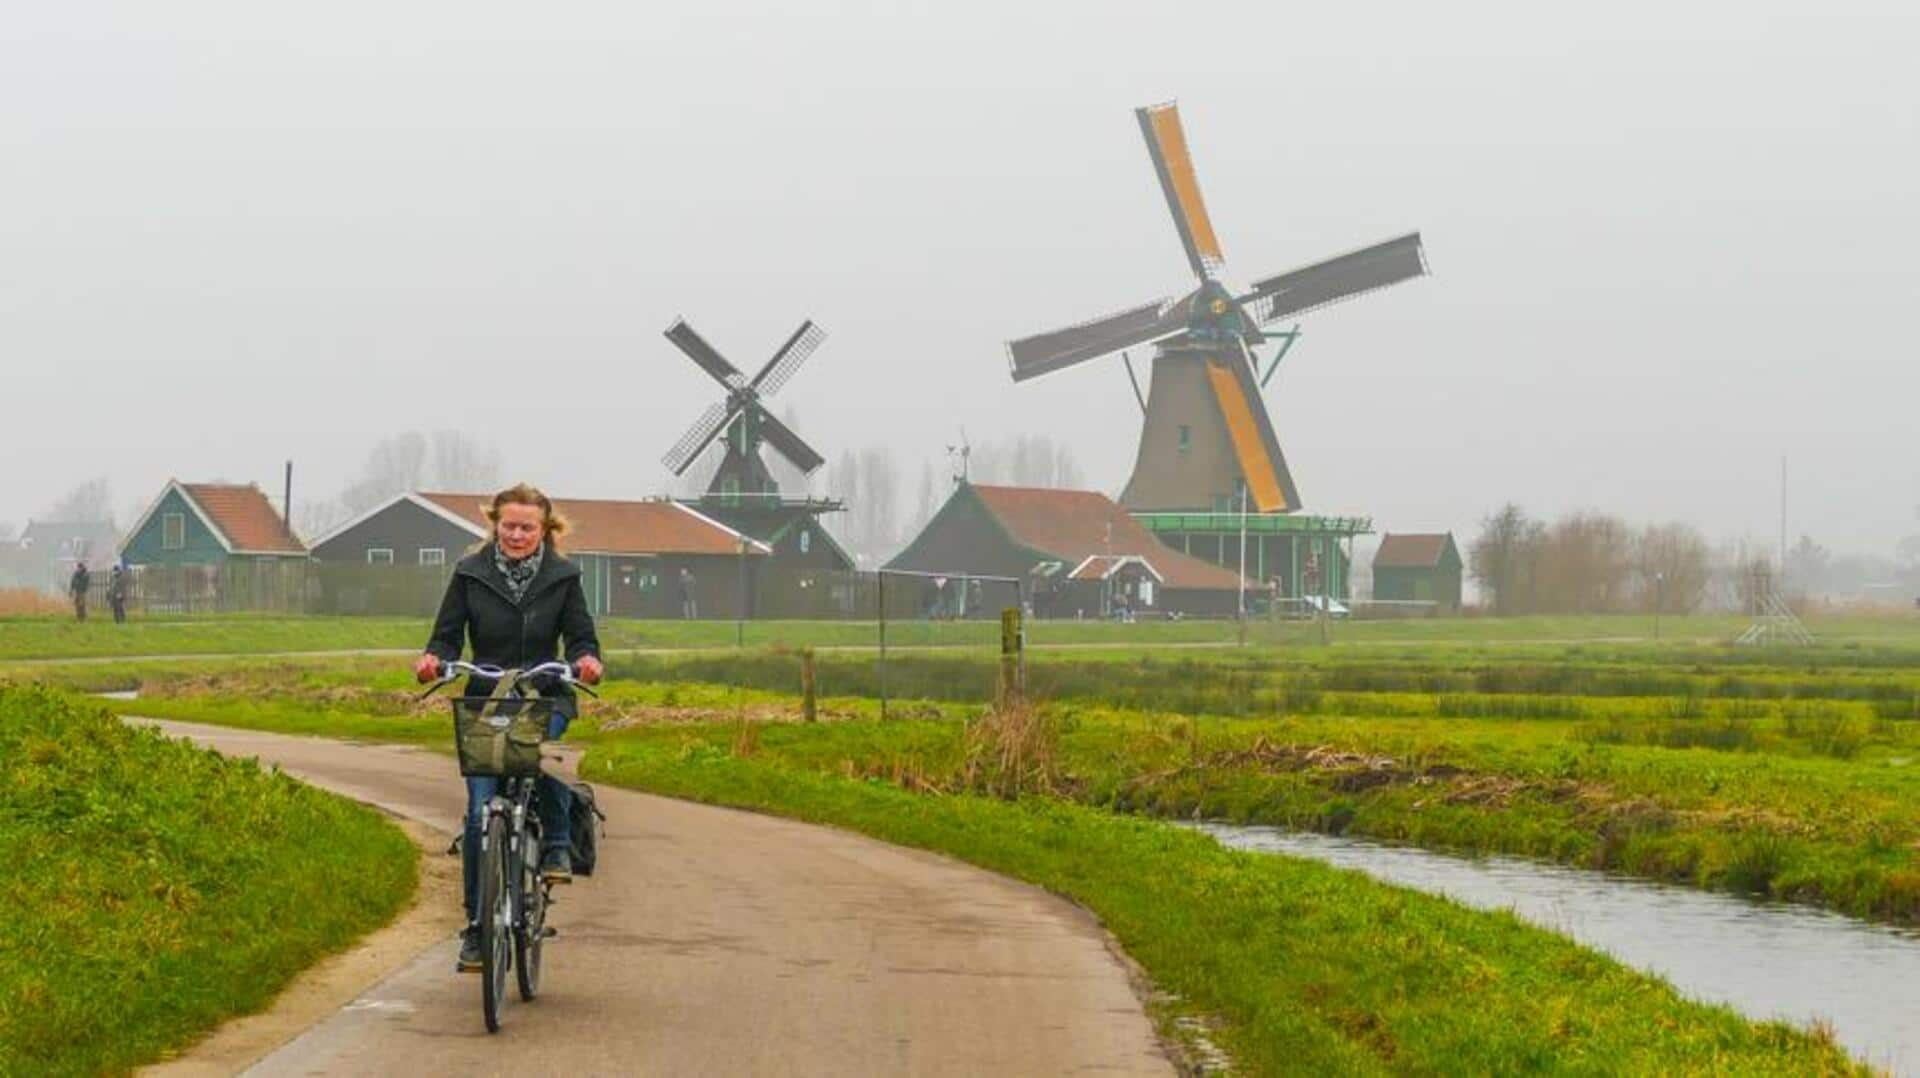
1207,444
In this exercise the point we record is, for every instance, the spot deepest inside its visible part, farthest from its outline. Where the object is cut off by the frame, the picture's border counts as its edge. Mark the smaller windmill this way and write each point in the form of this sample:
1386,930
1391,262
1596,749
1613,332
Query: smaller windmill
742,417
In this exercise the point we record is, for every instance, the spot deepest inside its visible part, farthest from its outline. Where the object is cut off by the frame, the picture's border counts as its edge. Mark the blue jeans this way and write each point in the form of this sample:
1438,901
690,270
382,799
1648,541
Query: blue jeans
552,801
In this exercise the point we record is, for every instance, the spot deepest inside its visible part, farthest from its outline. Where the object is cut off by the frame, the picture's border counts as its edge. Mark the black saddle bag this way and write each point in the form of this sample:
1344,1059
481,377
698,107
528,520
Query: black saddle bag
585,823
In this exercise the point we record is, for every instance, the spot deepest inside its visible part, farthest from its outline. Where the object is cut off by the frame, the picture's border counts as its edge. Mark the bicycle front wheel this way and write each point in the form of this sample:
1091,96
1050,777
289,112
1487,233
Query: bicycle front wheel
496,921
530,927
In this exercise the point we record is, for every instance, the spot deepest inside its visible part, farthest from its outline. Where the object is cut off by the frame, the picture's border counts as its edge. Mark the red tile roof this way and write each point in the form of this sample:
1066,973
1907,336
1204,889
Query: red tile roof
245,516
1073,524
1411,551
614,527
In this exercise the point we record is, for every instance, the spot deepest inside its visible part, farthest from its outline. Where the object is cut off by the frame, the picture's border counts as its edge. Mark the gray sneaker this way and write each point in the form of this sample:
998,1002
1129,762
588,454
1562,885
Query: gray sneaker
556,866
469,961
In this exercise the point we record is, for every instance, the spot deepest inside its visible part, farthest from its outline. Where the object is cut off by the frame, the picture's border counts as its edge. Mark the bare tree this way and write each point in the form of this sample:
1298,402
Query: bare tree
90,502
1808,564
1029,460
394,465
462,463
1502,558
1585,565
1673,568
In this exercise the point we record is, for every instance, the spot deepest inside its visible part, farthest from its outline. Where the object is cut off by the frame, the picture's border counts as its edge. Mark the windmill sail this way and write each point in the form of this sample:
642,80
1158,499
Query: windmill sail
1042,353
1255,446
786,362
1344,277
1167,145
788,444
697,438
709,359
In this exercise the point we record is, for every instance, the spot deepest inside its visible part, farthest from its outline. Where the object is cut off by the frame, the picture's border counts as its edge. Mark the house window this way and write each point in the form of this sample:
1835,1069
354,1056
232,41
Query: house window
380,555
1186,439
806,542
433,555
173,531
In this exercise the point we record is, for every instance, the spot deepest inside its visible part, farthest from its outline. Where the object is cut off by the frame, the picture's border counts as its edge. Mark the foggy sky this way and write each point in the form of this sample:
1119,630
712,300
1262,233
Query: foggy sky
1670,242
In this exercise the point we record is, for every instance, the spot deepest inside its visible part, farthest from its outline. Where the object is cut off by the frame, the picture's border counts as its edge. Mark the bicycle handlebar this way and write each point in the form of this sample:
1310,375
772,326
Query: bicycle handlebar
451,672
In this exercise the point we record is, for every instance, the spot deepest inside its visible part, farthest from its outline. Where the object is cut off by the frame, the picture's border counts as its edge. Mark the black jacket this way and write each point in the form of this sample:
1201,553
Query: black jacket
513,635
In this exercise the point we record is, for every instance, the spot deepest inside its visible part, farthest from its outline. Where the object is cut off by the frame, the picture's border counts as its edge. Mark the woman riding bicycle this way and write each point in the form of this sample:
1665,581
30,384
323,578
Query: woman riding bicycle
516,601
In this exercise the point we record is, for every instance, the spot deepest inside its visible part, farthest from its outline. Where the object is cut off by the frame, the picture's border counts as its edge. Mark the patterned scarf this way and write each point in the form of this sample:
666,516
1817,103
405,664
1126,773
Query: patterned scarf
520,573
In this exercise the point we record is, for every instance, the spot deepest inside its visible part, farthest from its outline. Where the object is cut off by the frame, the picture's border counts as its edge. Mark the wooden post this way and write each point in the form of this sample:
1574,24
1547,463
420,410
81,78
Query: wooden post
1012,656
880,605
806,686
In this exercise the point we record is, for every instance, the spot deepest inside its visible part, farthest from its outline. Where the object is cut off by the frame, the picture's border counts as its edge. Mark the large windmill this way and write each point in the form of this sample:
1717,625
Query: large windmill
743,493
1207,443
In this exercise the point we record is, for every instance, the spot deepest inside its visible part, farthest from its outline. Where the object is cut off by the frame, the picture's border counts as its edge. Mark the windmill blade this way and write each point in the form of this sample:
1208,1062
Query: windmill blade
788,444
697,438
1250,431
698,350
1325,283
1167,145
1030,357
786,362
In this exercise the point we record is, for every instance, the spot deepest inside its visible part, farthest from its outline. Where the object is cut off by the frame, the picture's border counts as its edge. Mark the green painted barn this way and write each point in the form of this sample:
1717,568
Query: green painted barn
1411,567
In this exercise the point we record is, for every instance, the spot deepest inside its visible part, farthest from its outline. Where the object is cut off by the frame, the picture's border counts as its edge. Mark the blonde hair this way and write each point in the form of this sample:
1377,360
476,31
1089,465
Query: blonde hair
555,525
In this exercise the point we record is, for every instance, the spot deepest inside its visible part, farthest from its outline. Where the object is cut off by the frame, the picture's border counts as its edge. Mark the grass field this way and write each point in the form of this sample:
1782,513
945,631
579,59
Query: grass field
153,889
25,638
1785,773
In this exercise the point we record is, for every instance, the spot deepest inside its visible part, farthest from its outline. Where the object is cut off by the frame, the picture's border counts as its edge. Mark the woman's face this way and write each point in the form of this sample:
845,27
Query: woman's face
520,529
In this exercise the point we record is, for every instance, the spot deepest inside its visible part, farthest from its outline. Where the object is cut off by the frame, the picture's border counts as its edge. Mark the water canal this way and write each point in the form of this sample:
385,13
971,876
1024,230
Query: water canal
1767,960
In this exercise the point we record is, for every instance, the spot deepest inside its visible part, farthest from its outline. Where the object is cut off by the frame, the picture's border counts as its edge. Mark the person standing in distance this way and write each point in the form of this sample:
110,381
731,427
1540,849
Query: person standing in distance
518,603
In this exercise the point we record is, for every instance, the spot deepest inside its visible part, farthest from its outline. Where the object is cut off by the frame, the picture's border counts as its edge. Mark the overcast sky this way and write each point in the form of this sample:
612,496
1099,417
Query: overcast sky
1670,242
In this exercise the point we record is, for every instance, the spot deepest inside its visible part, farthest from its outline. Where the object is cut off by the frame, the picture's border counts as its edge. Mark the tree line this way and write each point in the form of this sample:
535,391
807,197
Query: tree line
1588,562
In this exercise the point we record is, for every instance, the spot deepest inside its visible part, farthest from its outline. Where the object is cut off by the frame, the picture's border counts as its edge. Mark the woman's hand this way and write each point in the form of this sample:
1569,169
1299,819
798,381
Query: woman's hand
589,670
426,667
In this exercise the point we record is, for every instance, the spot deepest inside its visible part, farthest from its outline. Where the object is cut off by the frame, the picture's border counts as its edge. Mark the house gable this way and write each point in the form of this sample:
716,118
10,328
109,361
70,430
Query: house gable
405,526
200,543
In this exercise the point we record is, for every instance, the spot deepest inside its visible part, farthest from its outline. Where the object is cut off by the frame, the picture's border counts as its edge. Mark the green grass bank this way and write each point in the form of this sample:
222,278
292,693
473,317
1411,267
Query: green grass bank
1293,966
154,889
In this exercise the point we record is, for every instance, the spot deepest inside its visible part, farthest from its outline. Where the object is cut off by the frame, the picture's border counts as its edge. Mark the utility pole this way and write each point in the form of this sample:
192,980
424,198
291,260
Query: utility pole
1783,520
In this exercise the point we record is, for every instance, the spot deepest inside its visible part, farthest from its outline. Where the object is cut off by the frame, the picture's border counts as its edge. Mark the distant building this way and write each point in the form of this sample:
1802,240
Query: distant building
44,556
1411,567
210,524
631,553
1076,553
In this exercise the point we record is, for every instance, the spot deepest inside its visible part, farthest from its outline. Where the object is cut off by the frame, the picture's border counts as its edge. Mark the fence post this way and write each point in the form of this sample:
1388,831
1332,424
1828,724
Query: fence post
807,710
880,590
1012,656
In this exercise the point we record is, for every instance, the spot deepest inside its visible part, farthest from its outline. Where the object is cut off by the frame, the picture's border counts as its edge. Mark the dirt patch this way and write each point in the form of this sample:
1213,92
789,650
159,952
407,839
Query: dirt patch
335,982
623,716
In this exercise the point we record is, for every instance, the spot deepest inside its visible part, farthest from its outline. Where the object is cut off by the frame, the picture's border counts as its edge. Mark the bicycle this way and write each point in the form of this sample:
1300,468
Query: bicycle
500,736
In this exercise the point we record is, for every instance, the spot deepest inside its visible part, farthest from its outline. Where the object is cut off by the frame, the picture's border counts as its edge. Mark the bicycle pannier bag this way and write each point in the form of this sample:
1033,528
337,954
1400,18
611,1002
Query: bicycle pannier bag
500,736
582,831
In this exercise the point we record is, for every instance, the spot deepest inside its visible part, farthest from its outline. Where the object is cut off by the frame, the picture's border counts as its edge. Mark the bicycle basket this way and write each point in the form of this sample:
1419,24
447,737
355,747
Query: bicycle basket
500,736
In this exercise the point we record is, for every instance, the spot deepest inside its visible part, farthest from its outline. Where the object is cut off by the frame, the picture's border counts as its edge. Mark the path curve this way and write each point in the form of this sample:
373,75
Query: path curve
722,942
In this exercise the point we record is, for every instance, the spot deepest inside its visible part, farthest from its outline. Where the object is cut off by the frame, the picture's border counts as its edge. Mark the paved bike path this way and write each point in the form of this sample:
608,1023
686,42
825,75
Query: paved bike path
720,942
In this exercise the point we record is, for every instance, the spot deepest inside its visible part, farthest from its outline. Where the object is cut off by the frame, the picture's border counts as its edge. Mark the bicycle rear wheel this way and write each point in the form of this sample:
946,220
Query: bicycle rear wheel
496,921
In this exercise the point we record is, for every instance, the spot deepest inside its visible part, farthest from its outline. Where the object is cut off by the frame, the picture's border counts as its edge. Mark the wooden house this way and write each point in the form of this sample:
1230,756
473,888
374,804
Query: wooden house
637,558
210,524
1077,553
1412,567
